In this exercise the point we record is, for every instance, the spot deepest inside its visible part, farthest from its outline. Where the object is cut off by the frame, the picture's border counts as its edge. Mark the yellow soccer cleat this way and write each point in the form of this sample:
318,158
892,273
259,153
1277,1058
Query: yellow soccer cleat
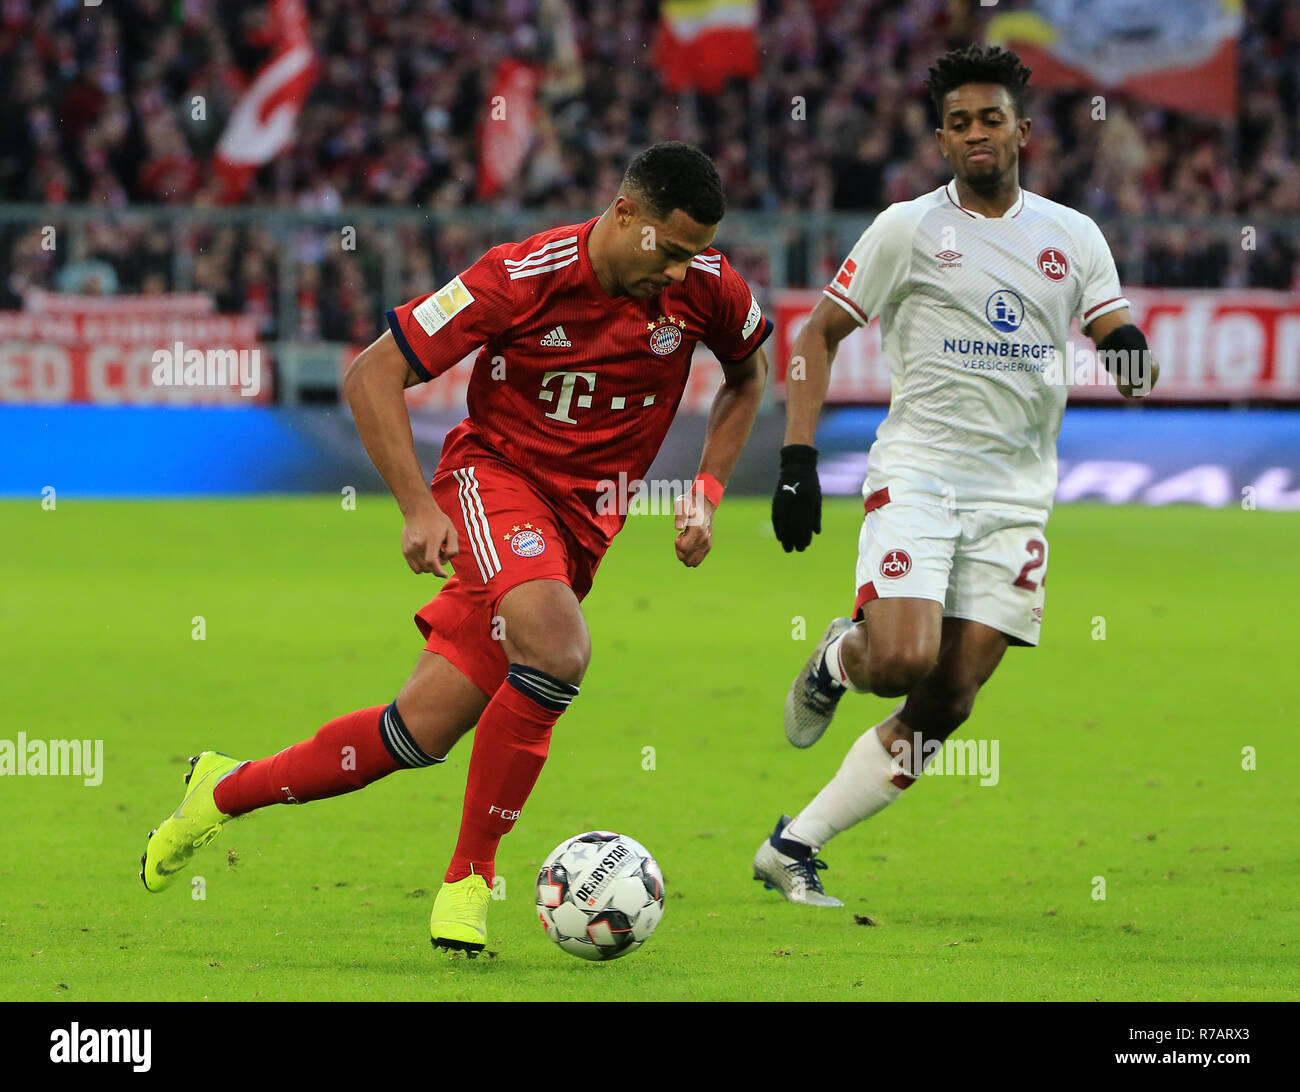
191,826
459,919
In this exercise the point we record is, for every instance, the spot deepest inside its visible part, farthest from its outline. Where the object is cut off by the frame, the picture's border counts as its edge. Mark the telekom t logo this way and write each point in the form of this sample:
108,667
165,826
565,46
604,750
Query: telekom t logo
567,384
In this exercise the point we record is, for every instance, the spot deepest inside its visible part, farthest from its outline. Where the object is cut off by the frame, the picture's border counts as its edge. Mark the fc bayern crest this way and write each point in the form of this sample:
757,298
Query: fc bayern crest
526,541
665,334
1053,264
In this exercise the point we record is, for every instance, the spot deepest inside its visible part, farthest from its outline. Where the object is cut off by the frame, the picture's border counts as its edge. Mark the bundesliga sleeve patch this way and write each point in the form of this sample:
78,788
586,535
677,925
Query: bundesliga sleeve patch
752,320
435,312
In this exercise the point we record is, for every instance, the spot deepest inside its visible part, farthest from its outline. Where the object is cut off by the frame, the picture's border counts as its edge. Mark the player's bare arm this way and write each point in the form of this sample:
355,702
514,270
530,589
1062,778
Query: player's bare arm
731,419
1123,349
809,373
374,386
797,502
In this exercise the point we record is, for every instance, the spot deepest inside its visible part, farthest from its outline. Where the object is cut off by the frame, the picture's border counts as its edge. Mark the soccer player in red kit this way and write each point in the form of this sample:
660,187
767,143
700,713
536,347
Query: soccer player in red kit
584,336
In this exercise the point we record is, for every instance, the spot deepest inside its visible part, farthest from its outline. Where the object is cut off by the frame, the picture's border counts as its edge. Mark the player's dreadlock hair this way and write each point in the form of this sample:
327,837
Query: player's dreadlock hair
672,175
978,64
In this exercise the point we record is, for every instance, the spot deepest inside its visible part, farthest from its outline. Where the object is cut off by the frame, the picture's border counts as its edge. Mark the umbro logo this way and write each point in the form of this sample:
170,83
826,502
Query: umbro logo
948,259
556,339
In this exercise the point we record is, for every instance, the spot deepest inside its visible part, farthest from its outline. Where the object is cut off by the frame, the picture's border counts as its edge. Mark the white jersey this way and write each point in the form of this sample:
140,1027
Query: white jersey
975,314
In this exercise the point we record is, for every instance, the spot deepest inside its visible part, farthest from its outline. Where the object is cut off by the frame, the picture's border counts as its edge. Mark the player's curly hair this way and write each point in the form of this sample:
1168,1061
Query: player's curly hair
978,64
672,175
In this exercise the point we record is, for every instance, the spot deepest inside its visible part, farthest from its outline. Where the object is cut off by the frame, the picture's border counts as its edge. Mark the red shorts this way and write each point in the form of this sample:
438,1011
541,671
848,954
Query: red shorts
507,536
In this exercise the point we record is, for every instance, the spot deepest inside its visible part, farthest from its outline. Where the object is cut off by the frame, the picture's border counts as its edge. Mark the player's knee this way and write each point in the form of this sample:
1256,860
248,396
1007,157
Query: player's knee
894,672
566,661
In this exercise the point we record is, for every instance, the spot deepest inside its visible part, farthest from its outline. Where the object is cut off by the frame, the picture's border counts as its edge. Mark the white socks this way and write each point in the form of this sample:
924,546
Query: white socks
862,787
835,664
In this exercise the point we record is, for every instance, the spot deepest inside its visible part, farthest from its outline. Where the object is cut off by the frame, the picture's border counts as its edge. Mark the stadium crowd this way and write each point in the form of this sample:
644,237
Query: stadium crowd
97,109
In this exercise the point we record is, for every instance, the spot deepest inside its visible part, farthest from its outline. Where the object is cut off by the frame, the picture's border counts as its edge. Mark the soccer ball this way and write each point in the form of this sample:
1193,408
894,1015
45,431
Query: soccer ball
600,895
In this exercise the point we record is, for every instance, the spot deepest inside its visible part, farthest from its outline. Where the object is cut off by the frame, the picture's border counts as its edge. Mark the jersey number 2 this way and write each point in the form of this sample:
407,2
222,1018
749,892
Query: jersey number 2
1037,554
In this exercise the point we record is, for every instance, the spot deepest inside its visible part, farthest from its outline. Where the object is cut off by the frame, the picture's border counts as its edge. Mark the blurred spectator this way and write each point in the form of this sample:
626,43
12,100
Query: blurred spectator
87,278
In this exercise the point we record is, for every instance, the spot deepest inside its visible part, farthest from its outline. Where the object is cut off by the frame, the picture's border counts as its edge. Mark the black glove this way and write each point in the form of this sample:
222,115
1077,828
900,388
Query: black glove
797,503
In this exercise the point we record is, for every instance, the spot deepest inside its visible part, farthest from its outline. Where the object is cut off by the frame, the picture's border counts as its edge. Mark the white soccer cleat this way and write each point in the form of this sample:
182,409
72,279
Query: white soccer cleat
814,694
794,876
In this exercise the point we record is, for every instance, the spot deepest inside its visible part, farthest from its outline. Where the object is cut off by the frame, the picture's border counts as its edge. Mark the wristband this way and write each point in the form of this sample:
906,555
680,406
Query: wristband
710,487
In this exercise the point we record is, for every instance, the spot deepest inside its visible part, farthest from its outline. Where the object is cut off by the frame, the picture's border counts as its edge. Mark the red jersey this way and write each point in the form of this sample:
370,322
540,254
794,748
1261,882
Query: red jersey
571,386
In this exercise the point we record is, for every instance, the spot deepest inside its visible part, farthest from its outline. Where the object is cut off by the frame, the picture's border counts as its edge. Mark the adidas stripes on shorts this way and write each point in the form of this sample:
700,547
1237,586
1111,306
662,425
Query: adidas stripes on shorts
508,535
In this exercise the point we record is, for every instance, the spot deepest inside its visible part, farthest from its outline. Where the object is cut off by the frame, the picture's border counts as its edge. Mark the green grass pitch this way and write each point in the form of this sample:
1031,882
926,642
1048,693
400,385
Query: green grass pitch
1119,758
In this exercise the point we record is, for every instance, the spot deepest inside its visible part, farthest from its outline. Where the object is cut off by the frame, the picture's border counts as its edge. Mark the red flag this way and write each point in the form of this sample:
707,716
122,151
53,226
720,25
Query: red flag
263,122
506,132
703,43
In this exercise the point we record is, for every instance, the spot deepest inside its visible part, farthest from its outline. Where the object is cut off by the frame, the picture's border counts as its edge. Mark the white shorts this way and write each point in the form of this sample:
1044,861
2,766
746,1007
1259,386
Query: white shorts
986,564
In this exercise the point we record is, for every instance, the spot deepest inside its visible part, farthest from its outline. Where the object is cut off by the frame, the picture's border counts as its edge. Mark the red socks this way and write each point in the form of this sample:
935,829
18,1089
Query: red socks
346,754
510,745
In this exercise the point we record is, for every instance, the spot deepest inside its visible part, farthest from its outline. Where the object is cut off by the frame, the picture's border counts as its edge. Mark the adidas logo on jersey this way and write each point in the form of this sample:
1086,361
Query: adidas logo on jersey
556,339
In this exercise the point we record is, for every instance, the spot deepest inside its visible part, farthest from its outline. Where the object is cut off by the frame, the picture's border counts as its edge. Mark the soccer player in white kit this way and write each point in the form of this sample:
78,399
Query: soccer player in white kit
976,285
